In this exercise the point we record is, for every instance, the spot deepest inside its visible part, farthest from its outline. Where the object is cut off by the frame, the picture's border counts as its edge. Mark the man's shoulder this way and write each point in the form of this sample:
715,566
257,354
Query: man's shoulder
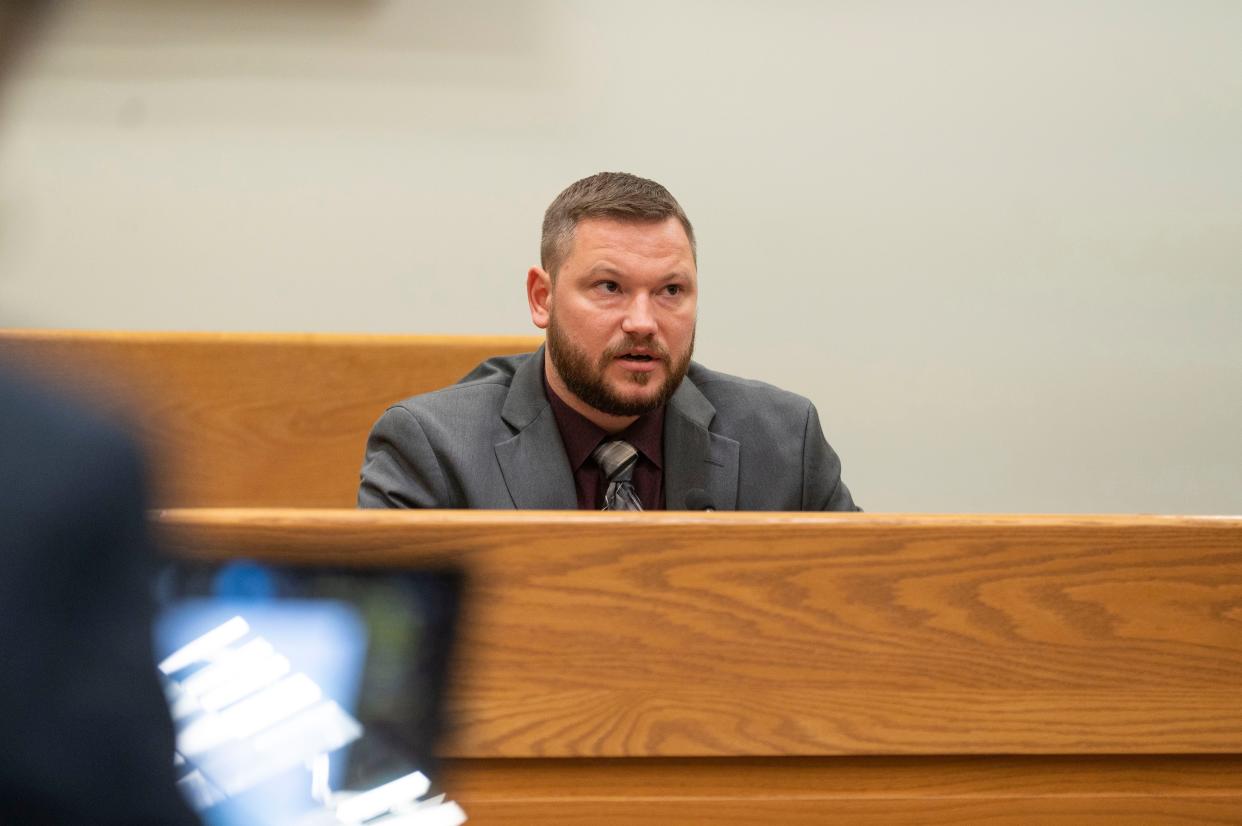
488,382
728,391
42,427
63,467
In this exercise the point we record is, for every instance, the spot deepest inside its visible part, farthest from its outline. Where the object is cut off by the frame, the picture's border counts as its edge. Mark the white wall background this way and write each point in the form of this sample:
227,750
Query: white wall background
999,244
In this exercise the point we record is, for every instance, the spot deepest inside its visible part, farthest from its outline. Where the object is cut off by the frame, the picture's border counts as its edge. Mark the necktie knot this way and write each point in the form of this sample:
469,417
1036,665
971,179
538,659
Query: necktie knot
617,460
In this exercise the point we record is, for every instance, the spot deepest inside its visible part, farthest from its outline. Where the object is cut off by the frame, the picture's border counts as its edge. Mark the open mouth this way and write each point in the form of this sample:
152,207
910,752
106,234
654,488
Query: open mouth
637,357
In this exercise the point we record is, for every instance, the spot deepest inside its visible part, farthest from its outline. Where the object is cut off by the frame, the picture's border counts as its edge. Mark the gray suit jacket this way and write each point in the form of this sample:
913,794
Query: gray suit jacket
491,441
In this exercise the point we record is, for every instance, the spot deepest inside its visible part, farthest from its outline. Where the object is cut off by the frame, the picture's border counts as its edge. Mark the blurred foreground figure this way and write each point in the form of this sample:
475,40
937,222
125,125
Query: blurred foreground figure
84,731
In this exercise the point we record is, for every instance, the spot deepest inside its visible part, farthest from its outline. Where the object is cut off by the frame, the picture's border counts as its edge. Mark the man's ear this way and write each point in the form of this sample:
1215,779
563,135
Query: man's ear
539,296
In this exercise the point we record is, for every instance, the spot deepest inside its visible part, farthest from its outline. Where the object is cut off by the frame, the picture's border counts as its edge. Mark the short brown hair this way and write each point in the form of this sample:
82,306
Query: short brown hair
617,195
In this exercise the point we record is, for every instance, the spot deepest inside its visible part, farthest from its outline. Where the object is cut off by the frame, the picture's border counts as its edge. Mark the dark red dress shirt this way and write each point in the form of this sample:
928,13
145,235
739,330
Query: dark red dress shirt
581,436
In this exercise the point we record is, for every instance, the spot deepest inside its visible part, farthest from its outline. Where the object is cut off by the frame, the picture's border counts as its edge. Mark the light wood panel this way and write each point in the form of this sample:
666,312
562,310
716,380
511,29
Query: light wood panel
698,635
252,419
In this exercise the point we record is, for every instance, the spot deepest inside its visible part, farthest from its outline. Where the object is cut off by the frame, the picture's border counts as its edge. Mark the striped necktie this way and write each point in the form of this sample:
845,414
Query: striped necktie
617,459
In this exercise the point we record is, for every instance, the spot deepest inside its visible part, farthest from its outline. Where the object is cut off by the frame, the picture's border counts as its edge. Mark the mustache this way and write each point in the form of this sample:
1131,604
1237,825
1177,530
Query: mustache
633,343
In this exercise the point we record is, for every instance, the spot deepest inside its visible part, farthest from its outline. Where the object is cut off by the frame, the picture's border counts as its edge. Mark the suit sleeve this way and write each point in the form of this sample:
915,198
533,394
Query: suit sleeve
400,469
822,487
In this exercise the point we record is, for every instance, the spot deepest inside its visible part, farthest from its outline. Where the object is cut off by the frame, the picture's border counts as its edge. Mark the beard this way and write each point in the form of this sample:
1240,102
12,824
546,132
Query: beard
587,381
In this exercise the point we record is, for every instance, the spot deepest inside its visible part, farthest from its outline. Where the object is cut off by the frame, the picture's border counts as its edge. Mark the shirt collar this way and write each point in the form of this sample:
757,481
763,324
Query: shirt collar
581,436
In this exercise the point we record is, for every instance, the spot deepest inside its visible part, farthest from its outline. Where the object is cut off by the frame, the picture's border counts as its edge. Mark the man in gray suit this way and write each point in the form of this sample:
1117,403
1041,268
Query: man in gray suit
611,413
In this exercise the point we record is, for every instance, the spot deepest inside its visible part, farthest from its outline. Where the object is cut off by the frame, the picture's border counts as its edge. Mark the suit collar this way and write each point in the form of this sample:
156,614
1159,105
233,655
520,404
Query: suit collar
526,400
694,457
533,461
690,402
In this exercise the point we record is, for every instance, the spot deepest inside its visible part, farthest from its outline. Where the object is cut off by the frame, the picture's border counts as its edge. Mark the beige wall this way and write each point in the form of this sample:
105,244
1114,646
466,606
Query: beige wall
999,244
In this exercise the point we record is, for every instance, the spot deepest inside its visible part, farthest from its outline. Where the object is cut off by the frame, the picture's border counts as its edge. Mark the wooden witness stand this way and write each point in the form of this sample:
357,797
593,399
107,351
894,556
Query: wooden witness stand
814,668
734,668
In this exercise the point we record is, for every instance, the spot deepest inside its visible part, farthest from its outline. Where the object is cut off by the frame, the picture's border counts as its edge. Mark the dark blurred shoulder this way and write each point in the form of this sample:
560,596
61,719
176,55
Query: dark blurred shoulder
55,448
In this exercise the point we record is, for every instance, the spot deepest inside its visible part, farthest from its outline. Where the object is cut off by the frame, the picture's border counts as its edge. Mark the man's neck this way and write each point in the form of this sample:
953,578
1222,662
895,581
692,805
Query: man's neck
605,421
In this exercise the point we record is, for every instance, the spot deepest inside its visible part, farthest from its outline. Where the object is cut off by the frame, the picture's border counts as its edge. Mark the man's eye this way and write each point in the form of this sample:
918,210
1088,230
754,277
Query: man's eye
673,289
609,286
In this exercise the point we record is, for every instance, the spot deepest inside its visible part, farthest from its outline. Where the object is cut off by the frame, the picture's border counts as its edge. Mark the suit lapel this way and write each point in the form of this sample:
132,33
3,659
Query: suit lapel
533,461
694,457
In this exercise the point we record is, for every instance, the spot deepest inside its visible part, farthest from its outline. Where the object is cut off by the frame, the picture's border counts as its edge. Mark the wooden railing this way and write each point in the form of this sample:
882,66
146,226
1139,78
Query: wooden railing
251,420
811,668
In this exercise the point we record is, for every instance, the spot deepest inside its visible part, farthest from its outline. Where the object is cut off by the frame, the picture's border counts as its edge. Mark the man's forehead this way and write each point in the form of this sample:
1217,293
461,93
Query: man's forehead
663,240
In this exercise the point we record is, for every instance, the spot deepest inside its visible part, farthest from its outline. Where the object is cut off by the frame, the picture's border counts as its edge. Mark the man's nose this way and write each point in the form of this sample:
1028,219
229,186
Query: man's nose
639,318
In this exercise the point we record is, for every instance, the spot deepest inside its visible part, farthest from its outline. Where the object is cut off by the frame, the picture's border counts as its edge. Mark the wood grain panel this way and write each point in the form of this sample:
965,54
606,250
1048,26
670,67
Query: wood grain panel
247,419
614,635
878,790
